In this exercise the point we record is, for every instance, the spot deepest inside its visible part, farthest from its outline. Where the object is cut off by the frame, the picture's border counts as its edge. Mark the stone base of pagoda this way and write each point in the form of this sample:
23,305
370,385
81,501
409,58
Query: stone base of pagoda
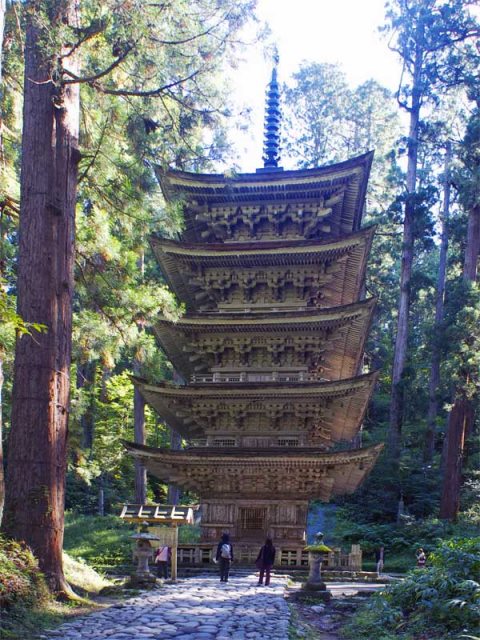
250,521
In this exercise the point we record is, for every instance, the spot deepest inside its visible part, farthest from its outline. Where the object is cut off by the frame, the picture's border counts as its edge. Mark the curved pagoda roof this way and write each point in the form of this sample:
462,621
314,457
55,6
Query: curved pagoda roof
340,187
331,339
300,473
324,412
197,271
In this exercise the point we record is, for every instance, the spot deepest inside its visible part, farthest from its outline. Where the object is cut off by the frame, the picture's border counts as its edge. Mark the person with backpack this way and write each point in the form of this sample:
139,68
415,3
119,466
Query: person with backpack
224,557
265,560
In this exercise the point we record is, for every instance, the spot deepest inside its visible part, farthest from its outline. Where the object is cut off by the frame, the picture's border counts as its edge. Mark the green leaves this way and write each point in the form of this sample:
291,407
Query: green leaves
434,38
442,599
11,323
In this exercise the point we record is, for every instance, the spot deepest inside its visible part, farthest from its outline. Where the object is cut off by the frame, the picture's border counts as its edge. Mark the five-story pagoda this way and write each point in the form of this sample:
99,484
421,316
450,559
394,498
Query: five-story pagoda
271,268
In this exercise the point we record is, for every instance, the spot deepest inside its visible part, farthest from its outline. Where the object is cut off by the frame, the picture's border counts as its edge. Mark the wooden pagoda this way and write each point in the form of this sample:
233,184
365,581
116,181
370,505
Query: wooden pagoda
271,268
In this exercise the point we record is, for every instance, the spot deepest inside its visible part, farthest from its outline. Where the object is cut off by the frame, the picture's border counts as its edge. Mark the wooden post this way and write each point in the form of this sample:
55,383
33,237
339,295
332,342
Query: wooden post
174,554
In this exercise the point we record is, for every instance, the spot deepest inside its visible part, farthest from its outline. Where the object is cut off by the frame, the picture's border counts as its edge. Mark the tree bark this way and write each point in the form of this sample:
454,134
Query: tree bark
472,247
2,473
434,381
139,430
461,417
86,379
400,354
101,496
34,506
459,421
3,9
173,495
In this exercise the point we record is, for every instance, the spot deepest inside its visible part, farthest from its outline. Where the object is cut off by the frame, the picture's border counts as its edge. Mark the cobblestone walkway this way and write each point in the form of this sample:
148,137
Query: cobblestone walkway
199,608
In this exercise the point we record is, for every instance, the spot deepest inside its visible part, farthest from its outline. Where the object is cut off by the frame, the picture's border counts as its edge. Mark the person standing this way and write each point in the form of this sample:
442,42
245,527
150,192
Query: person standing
421,558
161,560
265,560
224,557
380,559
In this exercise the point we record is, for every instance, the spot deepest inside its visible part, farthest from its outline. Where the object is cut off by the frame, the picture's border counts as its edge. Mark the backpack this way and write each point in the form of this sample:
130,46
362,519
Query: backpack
225,551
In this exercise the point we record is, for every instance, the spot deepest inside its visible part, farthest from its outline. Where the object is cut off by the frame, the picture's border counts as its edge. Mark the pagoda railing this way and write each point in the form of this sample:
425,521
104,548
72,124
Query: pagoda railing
202,553
274,376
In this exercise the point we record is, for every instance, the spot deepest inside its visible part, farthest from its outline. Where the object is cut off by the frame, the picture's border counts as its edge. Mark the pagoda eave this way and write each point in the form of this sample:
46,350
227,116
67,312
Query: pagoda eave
197,411
257,474
343,185
252,321
189,268
221,187
336,335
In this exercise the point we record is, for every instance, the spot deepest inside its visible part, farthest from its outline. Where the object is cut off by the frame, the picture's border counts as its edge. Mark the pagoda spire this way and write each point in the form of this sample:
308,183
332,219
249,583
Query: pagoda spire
271,146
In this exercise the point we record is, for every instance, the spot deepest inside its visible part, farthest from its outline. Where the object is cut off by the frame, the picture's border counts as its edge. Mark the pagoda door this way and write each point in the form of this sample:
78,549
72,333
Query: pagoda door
252,523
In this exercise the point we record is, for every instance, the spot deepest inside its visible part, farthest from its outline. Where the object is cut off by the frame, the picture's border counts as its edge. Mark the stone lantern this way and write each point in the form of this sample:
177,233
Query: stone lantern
316,555
143,552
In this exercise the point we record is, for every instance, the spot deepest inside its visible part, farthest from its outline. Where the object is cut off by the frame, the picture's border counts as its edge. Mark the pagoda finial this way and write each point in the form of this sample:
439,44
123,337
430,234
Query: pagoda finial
271,147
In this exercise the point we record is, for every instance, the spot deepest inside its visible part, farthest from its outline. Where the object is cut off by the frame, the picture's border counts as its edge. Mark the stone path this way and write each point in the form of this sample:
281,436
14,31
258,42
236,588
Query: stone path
200,608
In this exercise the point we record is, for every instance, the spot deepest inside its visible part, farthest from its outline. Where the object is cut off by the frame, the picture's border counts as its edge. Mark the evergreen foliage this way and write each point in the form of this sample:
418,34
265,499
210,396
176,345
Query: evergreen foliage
440,601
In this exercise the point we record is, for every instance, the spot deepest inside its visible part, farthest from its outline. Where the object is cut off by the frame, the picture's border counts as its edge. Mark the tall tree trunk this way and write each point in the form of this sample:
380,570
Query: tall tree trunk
2,476
86,379
139,412
461,418
101,496
35,480
3,9
173,495
472,248
400,354
434,381
139,430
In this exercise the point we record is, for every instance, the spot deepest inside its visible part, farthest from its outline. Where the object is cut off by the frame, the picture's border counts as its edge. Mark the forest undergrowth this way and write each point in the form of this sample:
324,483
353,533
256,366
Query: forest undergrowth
26,604
439,603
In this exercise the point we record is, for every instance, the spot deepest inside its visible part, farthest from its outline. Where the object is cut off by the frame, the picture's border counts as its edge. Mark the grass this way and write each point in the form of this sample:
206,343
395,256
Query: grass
22,623
101,541
83,578
26,613
104,541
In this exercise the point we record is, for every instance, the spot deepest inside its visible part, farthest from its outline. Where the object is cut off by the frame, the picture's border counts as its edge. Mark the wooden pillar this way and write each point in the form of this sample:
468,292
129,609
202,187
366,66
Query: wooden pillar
174,554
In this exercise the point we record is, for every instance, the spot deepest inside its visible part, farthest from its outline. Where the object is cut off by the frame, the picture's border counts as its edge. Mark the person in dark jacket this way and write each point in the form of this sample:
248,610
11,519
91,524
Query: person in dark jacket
224,557
265,560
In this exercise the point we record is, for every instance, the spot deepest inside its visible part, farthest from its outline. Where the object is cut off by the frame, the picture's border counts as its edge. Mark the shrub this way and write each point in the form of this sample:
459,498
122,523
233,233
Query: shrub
20,577
443,599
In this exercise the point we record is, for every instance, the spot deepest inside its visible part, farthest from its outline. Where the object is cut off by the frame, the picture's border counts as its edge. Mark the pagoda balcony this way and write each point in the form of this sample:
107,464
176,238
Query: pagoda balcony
247,376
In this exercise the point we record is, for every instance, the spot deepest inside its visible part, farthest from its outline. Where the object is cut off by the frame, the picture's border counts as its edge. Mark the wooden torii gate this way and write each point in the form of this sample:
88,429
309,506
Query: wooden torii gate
161,515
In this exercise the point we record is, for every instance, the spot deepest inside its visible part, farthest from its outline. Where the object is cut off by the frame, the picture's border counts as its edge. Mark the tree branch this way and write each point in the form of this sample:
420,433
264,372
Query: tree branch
95,155
96,27
145,94
194,37
92,79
